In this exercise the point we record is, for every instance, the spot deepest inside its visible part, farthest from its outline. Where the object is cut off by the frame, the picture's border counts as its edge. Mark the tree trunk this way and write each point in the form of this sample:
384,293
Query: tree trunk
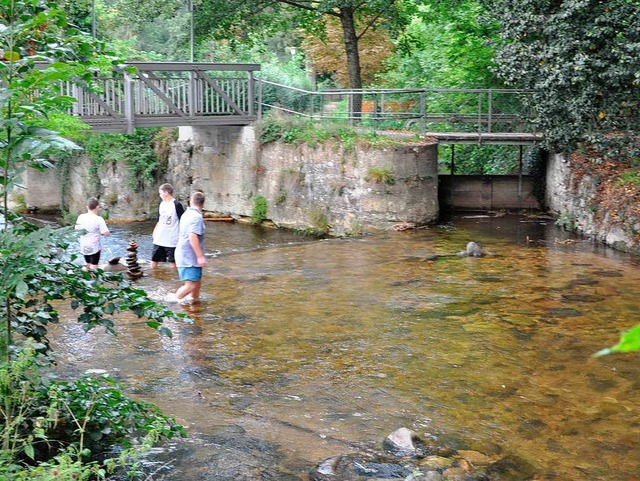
353,59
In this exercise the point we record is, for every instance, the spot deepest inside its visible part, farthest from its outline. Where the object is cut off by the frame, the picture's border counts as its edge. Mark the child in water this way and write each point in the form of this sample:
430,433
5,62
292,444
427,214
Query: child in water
95,227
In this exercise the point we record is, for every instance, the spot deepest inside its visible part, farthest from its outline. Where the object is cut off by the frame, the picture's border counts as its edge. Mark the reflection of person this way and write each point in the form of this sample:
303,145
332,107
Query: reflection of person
95,227
190,249
165,233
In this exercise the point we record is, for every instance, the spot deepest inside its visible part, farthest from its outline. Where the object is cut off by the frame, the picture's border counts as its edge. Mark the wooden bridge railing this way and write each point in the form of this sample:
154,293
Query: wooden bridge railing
168,94
164,94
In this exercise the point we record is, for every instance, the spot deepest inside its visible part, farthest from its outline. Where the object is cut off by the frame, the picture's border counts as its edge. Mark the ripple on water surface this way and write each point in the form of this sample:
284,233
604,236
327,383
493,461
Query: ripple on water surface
317,348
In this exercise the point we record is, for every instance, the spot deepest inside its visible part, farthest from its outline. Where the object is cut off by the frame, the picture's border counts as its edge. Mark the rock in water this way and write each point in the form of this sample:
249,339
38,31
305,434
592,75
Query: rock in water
472,250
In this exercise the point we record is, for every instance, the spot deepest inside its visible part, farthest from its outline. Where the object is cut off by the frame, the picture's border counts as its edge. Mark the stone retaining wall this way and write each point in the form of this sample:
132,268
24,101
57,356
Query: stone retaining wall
573,203
348,191
326,188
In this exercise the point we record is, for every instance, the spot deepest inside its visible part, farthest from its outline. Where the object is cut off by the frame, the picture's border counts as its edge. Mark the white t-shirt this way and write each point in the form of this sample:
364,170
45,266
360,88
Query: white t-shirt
168,227
95,227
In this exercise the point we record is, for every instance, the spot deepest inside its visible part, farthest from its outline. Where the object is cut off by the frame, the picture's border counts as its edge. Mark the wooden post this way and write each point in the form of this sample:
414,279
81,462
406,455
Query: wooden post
192,103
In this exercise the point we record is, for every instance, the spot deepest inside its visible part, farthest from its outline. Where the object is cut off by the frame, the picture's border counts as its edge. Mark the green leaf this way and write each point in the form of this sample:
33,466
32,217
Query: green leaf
10,56
29,451
21,290
629,342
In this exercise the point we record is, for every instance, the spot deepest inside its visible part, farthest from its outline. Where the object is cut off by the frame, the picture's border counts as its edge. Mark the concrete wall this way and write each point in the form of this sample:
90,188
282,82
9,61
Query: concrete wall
487,192
307,188
573,203
112,184
324,188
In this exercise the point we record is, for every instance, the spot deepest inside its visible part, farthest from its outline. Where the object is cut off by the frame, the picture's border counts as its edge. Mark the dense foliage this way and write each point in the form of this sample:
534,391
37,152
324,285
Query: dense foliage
45,426
444,47
580,59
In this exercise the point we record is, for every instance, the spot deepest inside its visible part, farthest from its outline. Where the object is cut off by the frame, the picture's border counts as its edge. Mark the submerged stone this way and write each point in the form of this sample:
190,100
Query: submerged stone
581,298
510,468
400,443
564,312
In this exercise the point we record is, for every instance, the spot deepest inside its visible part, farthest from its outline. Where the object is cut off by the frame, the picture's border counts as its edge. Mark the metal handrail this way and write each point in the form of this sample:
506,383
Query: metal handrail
484,109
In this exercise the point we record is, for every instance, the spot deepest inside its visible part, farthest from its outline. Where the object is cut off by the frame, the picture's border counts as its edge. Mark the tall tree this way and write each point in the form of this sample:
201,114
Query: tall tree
326,57
356,17
580,58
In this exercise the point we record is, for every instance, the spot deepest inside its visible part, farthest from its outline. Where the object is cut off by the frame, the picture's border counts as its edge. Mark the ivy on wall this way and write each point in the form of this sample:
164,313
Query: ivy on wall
139,151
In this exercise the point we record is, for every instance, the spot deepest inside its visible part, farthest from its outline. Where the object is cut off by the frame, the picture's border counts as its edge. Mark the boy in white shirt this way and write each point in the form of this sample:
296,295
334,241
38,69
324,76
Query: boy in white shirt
95,227
165,233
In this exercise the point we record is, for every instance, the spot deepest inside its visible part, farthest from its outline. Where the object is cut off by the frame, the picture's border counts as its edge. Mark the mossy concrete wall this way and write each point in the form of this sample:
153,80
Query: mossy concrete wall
574,203
326,187
68,185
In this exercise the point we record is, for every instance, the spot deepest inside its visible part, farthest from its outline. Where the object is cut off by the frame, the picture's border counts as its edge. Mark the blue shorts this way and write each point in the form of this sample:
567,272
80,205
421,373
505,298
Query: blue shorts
193,274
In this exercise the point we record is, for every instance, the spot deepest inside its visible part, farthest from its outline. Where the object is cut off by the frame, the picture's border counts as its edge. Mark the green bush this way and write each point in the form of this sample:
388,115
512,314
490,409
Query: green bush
56,430
259,212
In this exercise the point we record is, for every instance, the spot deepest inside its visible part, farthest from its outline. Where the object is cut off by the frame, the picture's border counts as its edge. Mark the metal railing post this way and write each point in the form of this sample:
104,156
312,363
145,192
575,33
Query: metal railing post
251,93
423,113
128,103
192,101
259,99
489,116
480,112
376,110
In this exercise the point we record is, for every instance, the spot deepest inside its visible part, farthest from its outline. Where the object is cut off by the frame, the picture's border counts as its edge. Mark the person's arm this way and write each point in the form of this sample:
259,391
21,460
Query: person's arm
104,230
179,209
195,245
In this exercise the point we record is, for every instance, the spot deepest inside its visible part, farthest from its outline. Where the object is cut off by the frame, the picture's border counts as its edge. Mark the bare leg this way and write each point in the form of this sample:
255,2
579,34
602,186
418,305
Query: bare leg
186,289
196,291
154,264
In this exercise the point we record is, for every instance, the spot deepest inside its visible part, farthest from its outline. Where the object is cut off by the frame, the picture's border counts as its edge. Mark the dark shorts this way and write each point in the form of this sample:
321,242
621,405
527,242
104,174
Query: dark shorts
93,259
163,254
193,274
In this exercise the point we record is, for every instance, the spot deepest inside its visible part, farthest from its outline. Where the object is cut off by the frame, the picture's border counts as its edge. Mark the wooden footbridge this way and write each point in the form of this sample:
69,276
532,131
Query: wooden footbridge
159,94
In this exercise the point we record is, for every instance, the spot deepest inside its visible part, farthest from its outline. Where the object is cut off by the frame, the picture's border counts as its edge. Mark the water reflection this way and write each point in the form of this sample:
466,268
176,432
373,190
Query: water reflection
306,349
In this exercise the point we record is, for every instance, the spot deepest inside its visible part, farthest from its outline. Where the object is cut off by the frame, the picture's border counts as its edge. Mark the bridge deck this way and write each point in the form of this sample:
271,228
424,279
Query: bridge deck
479,138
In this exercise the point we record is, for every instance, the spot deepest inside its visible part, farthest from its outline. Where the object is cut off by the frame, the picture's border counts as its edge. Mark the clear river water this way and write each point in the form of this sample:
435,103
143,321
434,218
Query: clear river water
304,349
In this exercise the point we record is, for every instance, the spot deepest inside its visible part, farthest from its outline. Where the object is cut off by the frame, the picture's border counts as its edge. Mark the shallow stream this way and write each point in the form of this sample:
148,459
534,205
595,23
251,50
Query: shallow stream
304,349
